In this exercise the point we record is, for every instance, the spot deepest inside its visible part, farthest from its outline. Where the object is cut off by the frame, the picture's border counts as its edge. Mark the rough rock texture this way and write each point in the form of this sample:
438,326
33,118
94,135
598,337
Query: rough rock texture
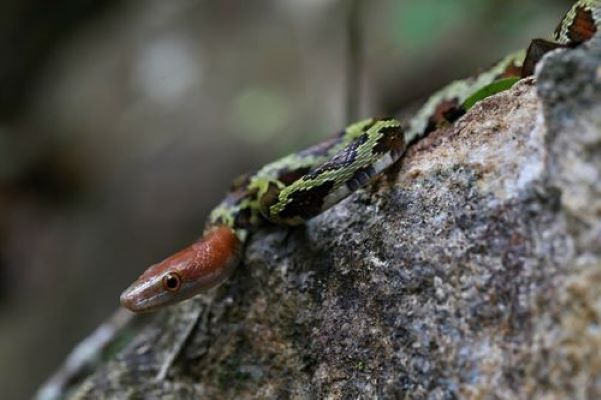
473,271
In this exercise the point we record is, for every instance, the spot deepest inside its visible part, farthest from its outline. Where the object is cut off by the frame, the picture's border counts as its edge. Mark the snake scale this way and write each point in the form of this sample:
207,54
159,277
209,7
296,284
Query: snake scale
301,185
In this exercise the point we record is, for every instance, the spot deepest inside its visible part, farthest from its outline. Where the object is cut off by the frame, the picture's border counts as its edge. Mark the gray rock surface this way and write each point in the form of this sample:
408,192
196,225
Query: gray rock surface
472,271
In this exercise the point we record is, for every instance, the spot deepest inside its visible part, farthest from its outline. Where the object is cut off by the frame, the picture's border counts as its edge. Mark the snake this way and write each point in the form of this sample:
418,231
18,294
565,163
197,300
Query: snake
298,187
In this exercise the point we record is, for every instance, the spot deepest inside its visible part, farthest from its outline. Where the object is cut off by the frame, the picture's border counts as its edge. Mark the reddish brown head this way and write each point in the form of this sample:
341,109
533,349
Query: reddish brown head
192,270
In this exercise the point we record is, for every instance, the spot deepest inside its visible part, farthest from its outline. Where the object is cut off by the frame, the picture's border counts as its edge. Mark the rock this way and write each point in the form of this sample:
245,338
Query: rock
472,270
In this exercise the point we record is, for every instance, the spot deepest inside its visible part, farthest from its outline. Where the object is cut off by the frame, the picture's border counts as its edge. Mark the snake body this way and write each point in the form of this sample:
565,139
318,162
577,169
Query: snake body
301,185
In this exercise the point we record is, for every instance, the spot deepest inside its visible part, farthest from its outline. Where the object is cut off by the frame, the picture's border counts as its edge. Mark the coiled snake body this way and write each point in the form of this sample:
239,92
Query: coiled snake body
301,185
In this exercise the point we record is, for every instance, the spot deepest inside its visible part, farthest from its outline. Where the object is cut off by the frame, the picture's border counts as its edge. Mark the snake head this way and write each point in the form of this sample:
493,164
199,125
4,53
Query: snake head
200,266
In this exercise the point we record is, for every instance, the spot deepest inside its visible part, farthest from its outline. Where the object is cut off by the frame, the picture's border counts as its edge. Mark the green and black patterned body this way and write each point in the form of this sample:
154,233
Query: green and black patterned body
301,185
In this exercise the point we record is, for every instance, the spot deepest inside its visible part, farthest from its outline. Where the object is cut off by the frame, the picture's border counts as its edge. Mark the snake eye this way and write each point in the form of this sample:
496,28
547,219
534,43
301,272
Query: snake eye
172,281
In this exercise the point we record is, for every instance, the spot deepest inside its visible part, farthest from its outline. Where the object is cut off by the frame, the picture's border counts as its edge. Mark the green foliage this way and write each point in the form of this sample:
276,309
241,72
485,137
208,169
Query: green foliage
421,23
488,90
259,114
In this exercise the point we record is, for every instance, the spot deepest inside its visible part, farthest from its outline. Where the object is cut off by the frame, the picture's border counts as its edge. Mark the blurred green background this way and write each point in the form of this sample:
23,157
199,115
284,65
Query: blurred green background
123,122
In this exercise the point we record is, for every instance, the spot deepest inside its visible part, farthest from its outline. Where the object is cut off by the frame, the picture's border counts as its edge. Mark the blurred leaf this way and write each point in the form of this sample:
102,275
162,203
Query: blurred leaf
418,24
257,114
490,89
